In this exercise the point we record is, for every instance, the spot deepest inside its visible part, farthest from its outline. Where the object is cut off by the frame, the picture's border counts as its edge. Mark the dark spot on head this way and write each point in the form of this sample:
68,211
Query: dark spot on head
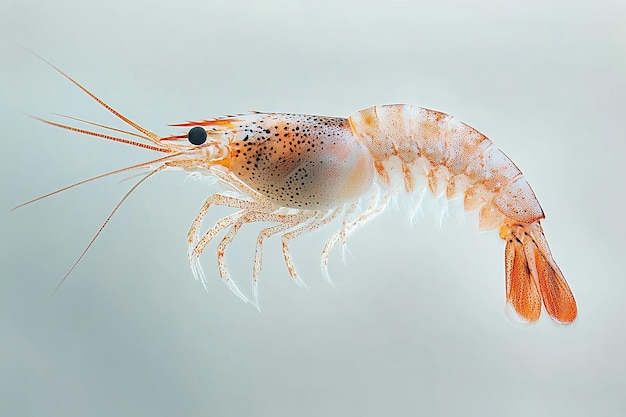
197,135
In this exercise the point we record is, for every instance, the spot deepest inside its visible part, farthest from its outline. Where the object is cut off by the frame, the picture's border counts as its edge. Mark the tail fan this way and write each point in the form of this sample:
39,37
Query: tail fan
533,277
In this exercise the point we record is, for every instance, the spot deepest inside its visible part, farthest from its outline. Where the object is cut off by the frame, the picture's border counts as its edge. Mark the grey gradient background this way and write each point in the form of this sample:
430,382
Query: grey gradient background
415,323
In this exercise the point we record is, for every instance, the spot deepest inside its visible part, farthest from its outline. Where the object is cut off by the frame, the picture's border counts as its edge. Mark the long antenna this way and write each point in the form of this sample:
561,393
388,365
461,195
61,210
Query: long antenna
153,137
117,206
106,174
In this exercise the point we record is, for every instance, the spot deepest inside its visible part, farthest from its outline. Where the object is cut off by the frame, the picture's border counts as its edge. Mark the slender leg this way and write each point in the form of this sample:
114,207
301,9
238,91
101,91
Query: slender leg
235,222
375,206
258,255
226,201
373,209
258,252
196,246
221,260
321,219
339,234
196,251
287,221
345,224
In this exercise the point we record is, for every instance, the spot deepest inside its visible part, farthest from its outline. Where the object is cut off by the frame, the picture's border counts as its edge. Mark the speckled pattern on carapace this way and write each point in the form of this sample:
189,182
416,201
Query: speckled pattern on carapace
301,161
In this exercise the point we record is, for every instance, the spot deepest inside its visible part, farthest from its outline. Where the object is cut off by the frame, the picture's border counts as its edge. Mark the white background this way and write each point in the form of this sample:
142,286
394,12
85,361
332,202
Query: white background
415,323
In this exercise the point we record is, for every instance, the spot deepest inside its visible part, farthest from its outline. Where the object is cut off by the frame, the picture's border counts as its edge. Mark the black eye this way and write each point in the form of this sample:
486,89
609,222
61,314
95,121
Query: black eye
197,135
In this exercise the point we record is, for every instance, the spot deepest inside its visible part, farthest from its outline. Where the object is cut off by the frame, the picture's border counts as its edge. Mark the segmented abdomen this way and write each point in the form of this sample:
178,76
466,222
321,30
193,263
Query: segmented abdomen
457,158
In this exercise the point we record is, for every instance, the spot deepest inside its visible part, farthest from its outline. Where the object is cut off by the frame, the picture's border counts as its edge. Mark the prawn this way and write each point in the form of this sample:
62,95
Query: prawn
301,172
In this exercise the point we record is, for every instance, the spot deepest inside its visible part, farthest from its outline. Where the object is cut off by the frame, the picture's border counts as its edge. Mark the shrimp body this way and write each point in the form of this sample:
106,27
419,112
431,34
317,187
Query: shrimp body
301,172
458,160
